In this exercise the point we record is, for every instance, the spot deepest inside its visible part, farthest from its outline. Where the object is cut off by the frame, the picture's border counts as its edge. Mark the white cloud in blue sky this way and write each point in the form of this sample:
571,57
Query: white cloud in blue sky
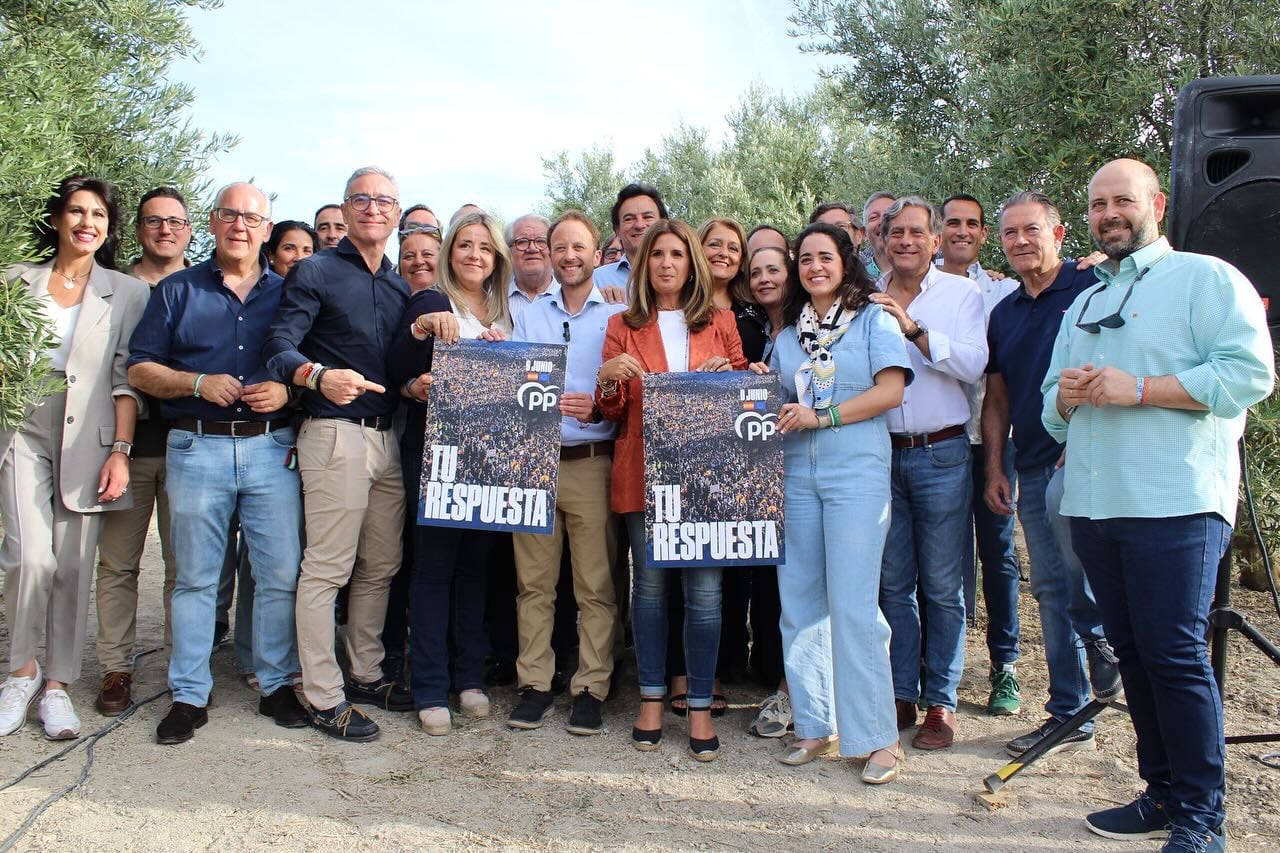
462,100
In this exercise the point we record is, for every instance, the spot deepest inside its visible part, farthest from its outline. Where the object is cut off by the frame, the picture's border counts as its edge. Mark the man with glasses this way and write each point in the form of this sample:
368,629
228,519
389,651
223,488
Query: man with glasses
330,226
330,338
199,349
530,262
1151,376
419,217
842,216
163,229
1020,338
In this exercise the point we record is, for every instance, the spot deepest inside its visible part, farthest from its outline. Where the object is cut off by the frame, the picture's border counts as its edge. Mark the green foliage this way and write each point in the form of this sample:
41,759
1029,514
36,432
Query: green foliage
993,96
83,89
25,336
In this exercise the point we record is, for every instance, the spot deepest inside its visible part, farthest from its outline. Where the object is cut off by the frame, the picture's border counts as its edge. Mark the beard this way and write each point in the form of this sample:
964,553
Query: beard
1119,248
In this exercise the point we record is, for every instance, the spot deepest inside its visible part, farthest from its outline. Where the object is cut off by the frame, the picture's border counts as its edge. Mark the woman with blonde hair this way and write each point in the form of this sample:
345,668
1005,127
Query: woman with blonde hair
670,325
447,593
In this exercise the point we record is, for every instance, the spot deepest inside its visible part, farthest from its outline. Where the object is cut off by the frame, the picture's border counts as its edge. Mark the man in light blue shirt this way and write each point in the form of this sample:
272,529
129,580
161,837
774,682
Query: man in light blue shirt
633,214
576,314
531,276
1151,375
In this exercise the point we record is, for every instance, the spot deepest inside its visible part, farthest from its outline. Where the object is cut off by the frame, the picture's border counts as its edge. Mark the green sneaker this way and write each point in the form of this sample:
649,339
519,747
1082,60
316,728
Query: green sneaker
1004,700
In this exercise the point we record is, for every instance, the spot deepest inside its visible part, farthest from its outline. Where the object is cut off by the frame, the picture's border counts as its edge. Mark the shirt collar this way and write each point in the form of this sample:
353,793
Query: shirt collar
929,280
1148,256
513,290
1061,281
346,247
593,296
264,265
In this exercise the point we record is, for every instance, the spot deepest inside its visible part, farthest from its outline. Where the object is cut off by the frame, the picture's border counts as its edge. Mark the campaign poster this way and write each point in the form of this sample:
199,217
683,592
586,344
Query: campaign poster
712,469
492,443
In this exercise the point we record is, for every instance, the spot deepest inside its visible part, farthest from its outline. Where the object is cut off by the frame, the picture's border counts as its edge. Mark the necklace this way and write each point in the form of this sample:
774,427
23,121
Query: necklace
69,281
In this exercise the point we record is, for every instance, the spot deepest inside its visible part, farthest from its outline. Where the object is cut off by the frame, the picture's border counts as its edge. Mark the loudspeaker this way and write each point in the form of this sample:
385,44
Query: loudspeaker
1225,193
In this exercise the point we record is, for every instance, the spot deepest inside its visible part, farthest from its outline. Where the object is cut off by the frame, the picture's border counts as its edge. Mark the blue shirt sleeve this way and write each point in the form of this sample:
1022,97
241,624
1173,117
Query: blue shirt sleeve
153,336
297,312
885,343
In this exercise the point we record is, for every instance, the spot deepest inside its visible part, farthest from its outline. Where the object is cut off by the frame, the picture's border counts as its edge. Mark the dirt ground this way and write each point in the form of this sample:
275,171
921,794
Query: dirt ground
244,783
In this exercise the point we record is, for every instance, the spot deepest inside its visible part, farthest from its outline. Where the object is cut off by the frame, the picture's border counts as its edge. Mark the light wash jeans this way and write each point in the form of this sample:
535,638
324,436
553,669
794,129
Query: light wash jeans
835,640
209,478
1060,590
649,621
931,491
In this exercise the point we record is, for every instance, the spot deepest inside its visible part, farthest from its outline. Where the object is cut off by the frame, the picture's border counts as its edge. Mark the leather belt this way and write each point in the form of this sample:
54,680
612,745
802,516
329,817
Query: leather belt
902,441
378,422
586,451
234,429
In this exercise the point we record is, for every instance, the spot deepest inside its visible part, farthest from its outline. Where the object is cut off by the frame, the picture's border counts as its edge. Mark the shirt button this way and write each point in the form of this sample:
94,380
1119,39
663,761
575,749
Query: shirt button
240,347
71,379
238,409
241,378
239,318
71,419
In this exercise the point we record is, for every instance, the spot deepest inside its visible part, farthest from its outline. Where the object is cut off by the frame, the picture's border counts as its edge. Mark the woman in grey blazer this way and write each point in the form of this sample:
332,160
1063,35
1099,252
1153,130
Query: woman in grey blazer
69,460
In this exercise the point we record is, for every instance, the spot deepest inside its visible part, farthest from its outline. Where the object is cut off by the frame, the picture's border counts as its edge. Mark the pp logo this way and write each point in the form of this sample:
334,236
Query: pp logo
537,397
753,426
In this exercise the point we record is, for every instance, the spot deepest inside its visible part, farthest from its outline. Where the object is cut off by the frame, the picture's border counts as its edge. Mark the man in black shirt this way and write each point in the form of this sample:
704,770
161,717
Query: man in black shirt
331,337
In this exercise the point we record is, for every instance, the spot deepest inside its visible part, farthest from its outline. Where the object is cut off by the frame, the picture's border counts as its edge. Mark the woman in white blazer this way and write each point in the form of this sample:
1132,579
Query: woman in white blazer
69,460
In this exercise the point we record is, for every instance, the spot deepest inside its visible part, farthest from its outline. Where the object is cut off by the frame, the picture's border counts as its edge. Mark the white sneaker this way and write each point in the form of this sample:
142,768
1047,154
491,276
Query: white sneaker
473,703
774,718
57,716
16,696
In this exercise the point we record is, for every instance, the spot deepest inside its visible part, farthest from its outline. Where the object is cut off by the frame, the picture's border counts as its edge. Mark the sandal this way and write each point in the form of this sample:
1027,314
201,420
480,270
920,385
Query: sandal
683,708
646,740
719,704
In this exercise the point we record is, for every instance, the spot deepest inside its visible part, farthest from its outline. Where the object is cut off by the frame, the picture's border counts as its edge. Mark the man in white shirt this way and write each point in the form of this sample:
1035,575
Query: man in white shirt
941,317
964,231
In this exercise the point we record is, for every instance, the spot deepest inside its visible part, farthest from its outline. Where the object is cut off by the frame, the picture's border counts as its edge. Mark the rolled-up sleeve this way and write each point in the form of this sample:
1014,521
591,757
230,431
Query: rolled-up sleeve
1229,326
962,354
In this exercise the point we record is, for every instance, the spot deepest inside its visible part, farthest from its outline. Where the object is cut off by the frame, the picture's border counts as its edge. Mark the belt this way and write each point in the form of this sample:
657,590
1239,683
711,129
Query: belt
586,451
901,440
234,429
378,422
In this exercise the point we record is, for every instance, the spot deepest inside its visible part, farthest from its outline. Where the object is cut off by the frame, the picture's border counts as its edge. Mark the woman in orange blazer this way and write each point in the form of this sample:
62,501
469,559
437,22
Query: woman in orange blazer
670,325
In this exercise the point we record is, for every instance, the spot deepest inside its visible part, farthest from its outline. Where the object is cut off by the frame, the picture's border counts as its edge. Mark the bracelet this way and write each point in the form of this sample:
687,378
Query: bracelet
122,446
195,389
607,388
1142,390
313,381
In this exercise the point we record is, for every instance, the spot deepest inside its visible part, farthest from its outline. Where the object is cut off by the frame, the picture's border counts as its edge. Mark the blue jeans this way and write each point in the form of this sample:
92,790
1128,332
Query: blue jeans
701,586
1154,578
835,640
1057,580
931,486
999,563
209,479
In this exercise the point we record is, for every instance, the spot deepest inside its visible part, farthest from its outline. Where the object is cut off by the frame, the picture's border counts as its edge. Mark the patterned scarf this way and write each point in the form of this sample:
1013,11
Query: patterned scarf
816,378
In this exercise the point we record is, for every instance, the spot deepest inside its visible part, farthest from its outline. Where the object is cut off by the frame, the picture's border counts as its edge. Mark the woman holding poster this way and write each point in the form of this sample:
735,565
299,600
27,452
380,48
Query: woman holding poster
670,325
447,593
843,363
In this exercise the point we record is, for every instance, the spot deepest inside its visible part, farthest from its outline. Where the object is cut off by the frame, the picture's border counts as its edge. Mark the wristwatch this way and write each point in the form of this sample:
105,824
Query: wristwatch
914,336
122,446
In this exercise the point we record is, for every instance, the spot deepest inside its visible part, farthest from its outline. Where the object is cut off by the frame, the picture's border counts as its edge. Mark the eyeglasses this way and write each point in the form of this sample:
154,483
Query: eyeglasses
361,201
611,253
228,215
523,244
419,228
174,223
1111,321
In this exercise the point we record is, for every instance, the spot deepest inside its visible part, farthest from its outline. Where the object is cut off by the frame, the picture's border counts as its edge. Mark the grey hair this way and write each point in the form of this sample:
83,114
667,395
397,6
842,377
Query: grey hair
895,210
528,217
369,170
1051,212
226,188
876,197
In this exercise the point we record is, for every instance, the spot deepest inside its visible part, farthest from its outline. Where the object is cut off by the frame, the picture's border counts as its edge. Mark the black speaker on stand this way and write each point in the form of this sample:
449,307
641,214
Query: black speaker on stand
1225,188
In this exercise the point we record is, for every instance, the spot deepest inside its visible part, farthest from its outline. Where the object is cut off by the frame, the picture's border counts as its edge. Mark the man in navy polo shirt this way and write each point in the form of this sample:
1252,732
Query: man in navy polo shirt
199,349
1020,338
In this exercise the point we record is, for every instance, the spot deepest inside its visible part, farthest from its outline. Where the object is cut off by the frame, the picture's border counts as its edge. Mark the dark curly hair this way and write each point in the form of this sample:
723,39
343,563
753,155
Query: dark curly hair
47,236
855,285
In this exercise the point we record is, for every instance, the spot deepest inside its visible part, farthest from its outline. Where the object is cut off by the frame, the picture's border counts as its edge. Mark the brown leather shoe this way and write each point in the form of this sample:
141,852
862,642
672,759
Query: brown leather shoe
906,713
938,730
113,695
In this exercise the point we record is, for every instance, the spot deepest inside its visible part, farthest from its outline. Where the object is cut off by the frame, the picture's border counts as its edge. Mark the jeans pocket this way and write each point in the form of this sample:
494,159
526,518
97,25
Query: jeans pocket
283,438
949,453
179,440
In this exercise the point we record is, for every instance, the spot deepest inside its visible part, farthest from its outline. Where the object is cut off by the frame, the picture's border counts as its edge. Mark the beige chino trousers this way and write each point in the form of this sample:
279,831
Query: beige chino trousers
353,500
582,509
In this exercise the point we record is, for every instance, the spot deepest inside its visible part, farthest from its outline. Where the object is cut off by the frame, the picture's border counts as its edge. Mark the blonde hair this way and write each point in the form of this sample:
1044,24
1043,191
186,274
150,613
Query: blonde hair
695,296
495,286
740,284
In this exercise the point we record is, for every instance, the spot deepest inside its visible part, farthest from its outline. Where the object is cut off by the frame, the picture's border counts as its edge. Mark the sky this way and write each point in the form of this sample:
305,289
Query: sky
462,100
